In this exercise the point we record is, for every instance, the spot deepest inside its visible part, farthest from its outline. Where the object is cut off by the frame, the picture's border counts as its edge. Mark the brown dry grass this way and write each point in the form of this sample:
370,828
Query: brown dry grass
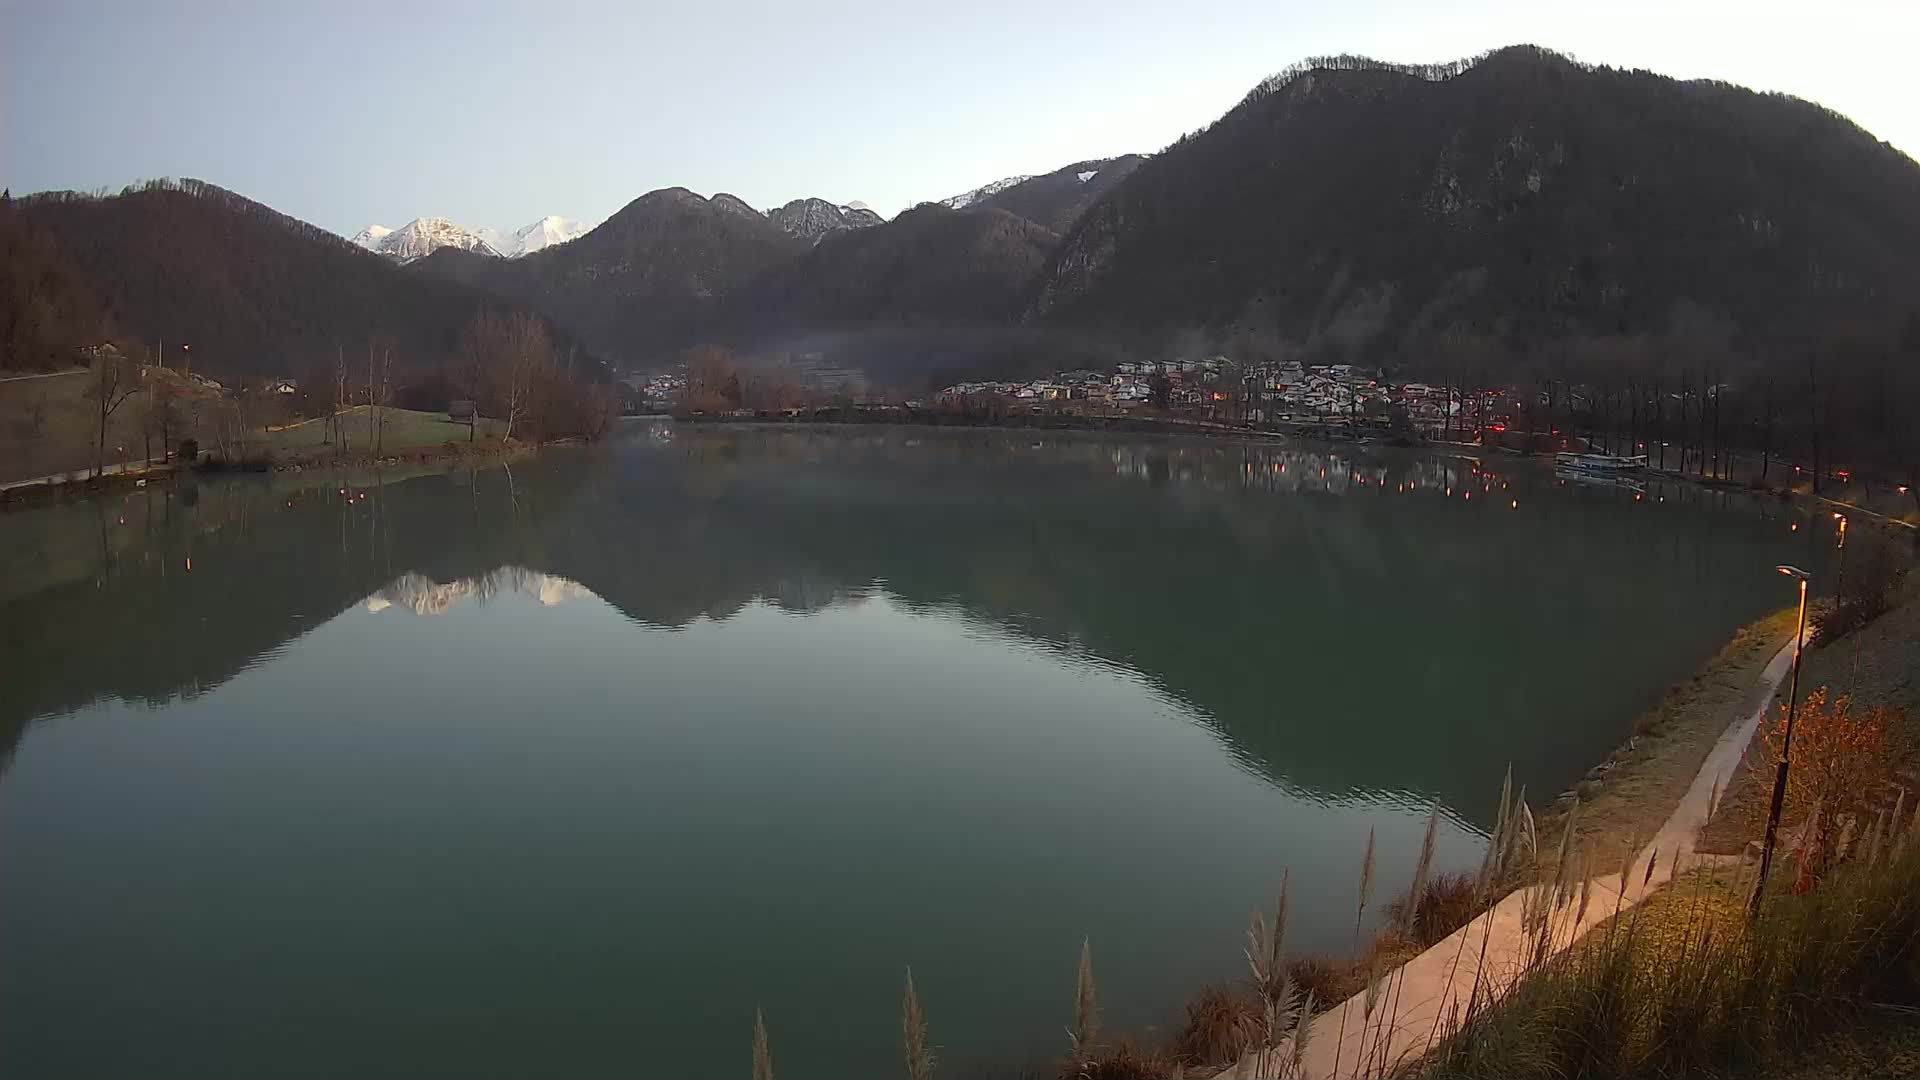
1330,983
1221,1025
1123,1061
1389,950
1686,984
1879,1043
1445,904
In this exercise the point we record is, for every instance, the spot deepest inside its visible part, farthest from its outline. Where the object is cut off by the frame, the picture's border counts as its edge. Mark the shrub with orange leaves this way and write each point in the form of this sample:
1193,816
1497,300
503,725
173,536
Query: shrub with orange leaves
1843,761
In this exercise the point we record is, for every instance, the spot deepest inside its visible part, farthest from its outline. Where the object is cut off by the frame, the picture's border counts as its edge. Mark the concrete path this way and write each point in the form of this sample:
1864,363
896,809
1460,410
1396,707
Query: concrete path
132,468
1431,992
42,375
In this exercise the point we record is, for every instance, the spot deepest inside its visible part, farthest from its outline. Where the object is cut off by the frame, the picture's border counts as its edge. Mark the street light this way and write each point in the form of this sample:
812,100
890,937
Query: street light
1786,743
1840,582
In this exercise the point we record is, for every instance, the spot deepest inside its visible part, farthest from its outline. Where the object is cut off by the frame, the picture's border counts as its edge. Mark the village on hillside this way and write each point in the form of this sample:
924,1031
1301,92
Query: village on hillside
1211,388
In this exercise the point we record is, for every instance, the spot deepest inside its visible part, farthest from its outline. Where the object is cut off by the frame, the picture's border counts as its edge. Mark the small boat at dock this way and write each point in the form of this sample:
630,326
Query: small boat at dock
1598,478
1600,463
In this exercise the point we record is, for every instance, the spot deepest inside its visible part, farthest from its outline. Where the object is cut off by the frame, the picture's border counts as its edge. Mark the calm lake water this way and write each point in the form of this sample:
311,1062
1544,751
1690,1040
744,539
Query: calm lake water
561,770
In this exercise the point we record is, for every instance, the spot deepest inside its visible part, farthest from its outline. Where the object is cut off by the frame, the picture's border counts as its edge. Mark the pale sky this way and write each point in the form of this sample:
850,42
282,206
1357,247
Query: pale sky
345,113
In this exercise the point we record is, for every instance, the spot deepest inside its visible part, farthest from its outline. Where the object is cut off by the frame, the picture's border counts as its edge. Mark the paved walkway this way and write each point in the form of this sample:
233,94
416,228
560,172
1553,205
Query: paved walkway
132,468
42,375
1433,988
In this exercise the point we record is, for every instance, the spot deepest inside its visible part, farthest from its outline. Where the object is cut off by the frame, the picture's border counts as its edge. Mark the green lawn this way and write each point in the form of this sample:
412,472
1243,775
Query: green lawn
49,426
405,429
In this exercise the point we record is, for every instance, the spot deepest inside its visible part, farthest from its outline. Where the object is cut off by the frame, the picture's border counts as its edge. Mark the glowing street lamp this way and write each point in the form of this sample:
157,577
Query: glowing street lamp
1840,582
1786,743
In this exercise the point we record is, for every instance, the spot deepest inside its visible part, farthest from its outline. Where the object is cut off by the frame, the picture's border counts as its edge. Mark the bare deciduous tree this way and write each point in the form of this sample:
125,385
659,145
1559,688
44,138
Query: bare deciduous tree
340,396
163,414
110,382
508,360
383,394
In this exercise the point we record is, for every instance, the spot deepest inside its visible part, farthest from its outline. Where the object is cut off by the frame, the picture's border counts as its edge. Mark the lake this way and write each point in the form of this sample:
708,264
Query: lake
562,768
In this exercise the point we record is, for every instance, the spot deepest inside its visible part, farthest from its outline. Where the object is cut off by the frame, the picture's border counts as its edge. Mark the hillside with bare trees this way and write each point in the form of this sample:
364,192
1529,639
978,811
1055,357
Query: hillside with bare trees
1353,209
253,291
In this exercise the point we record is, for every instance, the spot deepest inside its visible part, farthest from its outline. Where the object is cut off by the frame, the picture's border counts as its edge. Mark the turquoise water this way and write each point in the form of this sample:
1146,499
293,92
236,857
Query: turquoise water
564,768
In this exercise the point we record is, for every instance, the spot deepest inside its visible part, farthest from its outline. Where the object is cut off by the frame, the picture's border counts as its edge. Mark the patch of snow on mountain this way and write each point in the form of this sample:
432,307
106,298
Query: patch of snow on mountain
985,191
546,232
1088,175
370,237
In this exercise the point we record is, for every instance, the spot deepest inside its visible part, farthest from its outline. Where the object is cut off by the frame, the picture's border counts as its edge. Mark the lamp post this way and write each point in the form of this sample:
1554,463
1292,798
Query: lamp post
1840,583
1786,744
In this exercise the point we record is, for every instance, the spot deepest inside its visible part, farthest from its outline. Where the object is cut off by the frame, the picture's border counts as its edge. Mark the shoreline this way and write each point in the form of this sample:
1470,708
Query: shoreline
1626,796
44,491
850,416
1438,981
1639,798
835,416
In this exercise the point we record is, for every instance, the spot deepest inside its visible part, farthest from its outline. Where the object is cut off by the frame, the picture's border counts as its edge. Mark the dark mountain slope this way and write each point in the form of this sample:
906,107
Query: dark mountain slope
935,294
647,280
1355,208
1057,199
47,309
929,265
252,290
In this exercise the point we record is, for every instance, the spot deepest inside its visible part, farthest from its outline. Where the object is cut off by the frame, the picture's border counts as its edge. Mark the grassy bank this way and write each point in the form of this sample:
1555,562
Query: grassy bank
1825,979
1686,985
1626,798
49,425
1681,984
394,432
1878,664
1133,424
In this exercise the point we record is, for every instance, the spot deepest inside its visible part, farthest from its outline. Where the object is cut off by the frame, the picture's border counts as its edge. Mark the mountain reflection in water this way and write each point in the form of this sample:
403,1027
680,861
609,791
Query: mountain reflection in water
423,596
711,717
1264,586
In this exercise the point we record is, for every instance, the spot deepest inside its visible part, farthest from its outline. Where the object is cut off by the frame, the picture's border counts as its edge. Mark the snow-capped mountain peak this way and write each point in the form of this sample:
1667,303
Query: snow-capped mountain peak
370,237
527,239
546,232
419,238
424,236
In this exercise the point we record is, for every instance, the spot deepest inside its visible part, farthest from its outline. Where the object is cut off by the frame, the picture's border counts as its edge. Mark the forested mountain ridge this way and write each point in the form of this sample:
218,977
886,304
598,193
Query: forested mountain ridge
1055,199
1355,208
252,290
646,281
928,265
1345,209
812,219
47,308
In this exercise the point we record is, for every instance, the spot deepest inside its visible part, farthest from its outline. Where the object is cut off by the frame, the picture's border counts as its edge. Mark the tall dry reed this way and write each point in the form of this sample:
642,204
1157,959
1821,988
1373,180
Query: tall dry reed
762,1056
913,1030
1688,985
1086,1009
